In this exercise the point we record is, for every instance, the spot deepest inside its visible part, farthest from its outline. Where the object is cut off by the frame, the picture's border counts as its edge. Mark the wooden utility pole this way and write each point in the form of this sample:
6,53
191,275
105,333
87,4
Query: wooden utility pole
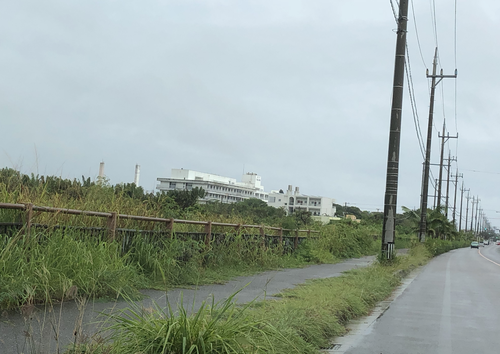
455,198
435,191
449,159
427,162
467,210
444,139
461,203
391,186
477,212
472,214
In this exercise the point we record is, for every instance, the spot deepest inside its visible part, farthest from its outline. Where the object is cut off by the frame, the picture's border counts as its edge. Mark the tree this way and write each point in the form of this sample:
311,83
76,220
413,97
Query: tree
185,198
303,217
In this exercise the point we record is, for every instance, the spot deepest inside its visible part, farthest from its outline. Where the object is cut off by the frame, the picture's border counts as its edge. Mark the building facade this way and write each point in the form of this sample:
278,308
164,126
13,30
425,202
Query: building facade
217,188
292,201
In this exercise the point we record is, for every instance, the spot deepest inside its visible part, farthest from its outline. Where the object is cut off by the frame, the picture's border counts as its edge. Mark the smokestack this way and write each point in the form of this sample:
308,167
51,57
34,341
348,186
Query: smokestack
296,190
101,170
137,172
290,187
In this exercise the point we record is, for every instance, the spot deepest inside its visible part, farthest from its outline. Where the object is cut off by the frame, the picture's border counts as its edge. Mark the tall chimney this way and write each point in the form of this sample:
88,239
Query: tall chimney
137,172
296,190
101,170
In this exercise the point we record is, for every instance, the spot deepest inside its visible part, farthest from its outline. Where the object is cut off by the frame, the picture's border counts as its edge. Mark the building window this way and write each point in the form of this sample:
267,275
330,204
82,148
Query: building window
272,199
172,184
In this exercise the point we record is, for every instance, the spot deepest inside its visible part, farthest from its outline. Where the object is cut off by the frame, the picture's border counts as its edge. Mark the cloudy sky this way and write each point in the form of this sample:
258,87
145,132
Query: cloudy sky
296,91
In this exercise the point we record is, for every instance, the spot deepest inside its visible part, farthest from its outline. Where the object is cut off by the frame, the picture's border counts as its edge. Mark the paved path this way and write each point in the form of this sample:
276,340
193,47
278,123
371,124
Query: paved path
44,323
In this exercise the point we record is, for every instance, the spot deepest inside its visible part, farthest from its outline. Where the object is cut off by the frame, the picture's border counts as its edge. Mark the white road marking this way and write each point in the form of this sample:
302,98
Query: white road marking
489,260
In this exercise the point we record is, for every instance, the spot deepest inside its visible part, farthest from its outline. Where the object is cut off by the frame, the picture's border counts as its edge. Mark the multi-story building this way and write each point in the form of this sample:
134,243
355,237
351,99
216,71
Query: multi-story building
292,201
217,188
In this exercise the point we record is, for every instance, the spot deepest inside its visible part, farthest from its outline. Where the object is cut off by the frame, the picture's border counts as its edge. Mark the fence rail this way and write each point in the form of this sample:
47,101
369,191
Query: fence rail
114,217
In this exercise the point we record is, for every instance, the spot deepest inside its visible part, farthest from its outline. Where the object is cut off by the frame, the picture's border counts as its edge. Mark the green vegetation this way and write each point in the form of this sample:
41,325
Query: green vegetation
215,328
55,265
303,320
43,267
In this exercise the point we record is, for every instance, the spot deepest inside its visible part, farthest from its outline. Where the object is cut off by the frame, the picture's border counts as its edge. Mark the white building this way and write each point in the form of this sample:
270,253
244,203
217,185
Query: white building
217,188
292,201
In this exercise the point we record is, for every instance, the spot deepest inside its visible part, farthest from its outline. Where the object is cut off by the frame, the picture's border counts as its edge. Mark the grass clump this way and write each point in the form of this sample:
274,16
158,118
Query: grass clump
213,328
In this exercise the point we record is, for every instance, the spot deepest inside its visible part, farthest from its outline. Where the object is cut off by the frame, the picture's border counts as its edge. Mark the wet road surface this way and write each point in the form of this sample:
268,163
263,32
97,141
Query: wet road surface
452,306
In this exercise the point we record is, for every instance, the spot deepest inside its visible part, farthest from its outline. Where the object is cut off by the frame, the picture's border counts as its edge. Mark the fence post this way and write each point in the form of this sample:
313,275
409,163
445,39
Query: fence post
296,240
29,216
280,234
112,221
170,227
263,235
208,232
308,233
237,229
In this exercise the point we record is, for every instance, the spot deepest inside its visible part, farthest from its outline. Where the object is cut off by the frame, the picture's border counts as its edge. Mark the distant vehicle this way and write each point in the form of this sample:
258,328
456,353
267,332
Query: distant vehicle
481,243
474,244
498,242
486,242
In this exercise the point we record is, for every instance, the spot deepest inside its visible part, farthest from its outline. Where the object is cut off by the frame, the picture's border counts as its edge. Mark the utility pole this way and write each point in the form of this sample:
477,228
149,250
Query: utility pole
427,162
472,214
467,210
391,186
480,222
478,217
444,139
449,159
455,198
461,202
435,191
477,214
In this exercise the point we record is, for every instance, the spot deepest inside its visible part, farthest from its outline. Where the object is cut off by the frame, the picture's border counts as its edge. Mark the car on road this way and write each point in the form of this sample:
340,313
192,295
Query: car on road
486,242
474,244
498,242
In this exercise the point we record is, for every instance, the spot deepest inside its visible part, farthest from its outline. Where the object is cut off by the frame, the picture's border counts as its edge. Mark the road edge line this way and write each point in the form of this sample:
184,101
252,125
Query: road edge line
489,260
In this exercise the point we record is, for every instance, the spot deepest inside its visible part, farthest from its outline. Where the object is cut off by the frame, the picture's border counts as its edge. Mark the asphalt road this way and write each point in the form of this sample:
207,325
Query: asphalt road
452,306
36,332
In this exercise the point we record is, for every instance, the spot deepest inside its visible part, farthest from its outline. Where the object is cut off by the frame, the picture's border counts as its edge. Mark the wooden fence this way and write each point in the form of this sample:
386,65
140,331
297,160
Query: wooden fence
168,224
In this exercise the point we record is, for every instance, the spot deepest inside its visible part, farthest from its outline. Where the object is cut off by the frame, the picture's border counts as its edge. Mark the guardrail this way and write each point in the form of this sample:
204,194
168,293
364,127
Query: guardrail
114,217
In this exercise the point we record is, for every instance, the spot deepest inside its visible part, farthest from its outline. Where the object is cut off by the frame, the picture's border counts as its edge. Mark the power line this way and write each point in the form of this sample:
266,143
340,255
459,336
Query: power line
413,104
434,22
394,11
455,34
488,172
416,33
456,81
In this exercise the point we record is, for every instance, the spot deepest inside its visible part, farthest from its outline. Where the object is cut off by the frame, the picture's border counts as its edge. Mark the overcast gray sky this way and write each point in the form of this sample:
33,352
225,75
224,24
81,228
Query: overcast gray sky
296,91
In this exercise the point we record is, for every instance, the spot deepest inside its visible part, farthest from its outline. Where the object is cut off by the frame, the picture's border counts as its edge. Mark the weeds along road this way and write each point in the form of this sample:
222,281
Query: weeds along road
46,328
452,306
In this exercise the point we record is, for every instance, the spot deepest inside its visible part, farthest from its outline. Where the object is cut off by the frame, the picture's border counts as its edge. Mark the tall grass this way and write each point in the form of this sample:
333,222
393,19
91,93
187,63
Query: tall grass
211,328
43,268
436,246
